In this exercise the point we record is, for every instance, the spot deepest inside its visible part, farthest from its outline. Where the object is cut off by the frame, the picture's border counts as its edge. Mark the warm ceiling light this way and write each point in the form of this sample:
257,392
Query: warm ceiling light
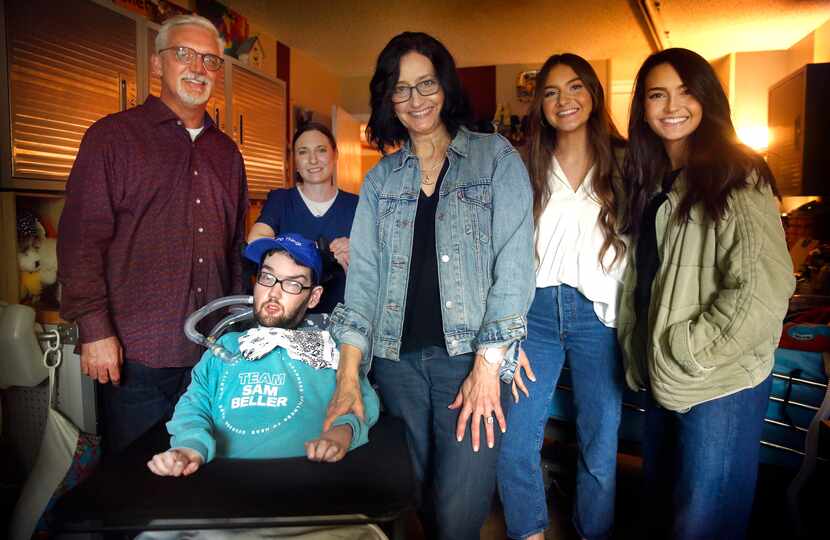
756,137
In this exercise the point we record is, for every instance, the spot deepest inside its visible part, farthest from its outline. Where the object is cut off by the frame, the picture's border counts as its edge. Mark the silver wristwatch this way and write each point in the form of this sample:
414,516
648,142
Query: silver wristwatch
493,355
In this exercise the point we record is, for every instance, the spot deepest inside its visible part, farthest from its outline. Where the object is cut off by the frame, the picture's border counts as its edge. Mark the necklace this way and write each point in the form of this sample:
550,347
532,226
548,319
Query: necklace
427,180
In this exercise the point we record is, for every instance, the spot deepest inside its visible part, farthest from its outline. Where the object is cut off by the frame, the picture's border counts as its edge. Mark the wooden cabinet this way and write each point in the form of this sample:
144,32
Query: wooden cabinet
799,122
258,113
69,64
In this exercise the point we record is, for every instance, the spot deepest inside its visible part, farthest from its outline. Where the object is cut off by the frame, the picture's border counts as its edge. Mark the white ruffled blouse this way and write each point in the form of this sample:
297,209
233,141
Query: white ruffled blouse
568,240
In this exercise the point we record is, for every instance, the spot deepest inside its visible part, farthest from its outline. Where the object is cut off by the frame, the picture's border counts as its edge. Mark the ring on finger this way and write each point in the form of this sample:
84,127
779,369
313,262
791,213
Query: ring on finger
490,419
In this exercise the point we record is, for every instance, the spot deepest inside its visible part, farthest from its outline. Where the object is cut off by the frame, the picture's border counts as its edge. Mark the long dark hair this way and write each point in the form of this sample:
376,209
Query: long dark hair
384,129
716,163
603,139
312,126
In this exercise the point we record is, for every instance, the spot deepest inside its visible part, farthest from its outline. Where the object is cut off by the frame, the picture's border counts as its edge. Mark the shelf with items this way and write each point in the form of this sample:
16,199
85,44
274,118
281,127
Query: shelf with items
28,274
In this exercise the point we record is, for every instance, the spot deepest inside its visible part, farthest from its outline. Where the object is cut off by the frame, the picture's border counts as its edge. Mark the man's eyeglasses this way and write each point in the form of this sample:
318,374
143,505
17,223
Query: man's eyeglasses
186,56
401,93
288,285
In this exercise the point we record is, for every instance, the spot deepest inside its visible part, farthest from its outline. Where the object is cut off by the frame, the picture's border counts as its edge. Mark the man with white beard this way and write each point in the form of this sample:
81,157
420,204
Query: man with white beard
152,231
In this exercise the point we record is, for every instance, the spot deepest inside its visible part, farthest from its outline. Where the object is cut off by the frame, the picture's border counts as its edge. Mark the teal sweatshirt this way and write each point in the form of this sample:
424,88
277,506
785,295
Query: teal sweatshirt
260,409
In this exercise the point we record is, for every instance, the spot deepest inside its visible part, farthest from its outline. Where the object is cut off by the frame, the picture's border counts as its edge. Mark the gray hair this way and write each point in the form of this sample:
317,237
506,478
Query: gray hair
187,20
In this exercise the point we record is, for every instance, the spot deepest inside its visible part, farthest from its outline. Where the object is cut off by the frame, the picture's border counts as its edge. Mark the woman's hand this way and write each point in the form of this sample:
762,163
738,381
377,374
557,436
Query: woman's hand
331,446
175,462
518,382
346,399
340,249
479,400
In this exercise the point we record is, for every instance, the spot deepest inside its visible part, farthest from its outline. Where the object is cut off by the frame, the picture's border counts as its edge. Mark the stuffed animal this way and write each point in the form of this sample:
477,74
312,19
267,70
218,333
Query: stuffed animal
29,230
29,263
37,259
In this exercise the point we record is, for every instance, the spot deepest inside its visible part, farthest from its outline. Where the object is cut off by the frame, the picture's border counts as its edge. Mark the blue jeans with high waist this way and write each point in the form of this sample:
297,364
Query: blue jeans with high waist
562,325
701,466
457,484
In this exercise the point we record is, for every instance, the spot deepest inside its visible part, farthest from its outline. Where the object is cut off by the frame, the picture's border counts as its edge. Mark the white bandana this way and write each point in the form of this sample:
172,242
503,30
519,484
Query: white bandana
314,347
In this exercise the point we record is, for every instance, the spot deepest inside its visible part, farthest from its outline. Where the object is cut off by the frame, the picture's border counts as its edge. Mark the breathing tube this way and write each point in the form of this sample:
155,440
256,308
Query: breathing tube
238,313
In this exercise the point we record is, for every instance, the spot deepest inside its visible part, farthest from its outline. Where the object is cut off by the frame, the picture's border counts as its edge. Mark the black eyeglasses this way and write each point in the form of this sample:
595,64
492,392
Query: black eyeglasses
401,93
288,285
186,56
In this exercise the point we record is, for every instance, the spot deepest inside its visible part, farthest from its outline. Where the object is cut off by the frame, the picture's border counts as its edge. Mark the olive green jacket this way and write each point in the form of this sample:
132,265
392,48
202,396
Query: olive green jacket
717,301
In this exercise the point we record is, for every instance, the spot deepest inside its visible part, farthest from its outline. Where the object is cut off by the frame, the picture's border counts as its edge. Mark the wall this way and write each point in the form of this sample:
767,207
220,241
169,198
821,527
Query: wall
313,86
620,95
620,90
346,128
800,53
506,86
821,43
269,46
603,69
480,85
354,94
724,71
754,73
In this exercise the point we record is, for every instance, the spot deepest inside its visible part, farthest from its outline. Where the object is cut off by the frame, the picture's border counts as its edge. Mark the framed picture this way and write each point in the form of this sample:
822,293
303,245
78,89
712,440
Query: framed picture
232,26
526,84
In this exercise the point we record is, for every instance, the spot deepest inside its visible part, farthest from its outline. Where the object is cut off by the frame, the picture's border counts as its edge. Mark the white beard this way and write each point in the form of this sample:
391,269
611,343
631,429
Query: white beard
189,98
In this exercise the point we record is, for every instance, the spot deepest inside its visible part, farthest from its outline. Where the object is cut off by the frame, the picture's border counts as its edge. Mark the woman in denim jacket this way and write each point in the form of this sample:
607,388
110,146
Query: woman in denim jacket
440,280
575,161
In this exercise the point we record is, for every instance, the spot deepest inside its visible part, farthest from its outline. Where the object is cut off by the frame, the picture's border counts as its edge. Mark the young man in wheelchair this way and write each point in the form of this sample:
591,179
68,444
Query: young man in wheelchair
270,400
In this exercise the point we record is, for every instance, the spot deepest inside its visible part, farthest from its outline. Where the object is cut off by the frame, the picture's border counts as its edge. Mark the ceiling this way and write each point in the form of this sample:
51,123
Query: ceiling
346,36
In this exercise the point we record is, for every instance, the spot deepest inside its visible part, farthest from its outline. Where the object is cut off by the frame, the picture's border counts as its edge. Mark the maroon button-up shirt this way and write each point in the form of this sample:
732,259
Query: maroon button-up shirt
151,231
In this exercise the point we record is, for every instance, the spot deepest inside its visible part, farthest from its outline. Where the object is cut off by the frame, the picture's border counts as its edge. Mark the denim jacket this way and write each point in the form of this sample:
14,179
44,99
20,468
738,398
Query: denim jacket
484,245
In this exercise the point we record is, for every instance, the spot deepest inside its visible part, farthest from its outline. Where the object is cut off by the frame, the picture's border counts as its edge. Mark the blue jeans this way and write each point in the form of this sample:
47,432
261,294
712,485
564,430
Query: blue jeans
457,484
700,467
145,397
562,325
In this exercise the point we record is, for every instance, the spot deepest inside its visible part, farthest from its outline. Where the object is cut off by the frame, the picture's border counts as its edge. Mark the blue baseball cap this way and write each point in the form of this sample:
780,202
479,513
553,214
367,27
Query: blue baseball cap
300,248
